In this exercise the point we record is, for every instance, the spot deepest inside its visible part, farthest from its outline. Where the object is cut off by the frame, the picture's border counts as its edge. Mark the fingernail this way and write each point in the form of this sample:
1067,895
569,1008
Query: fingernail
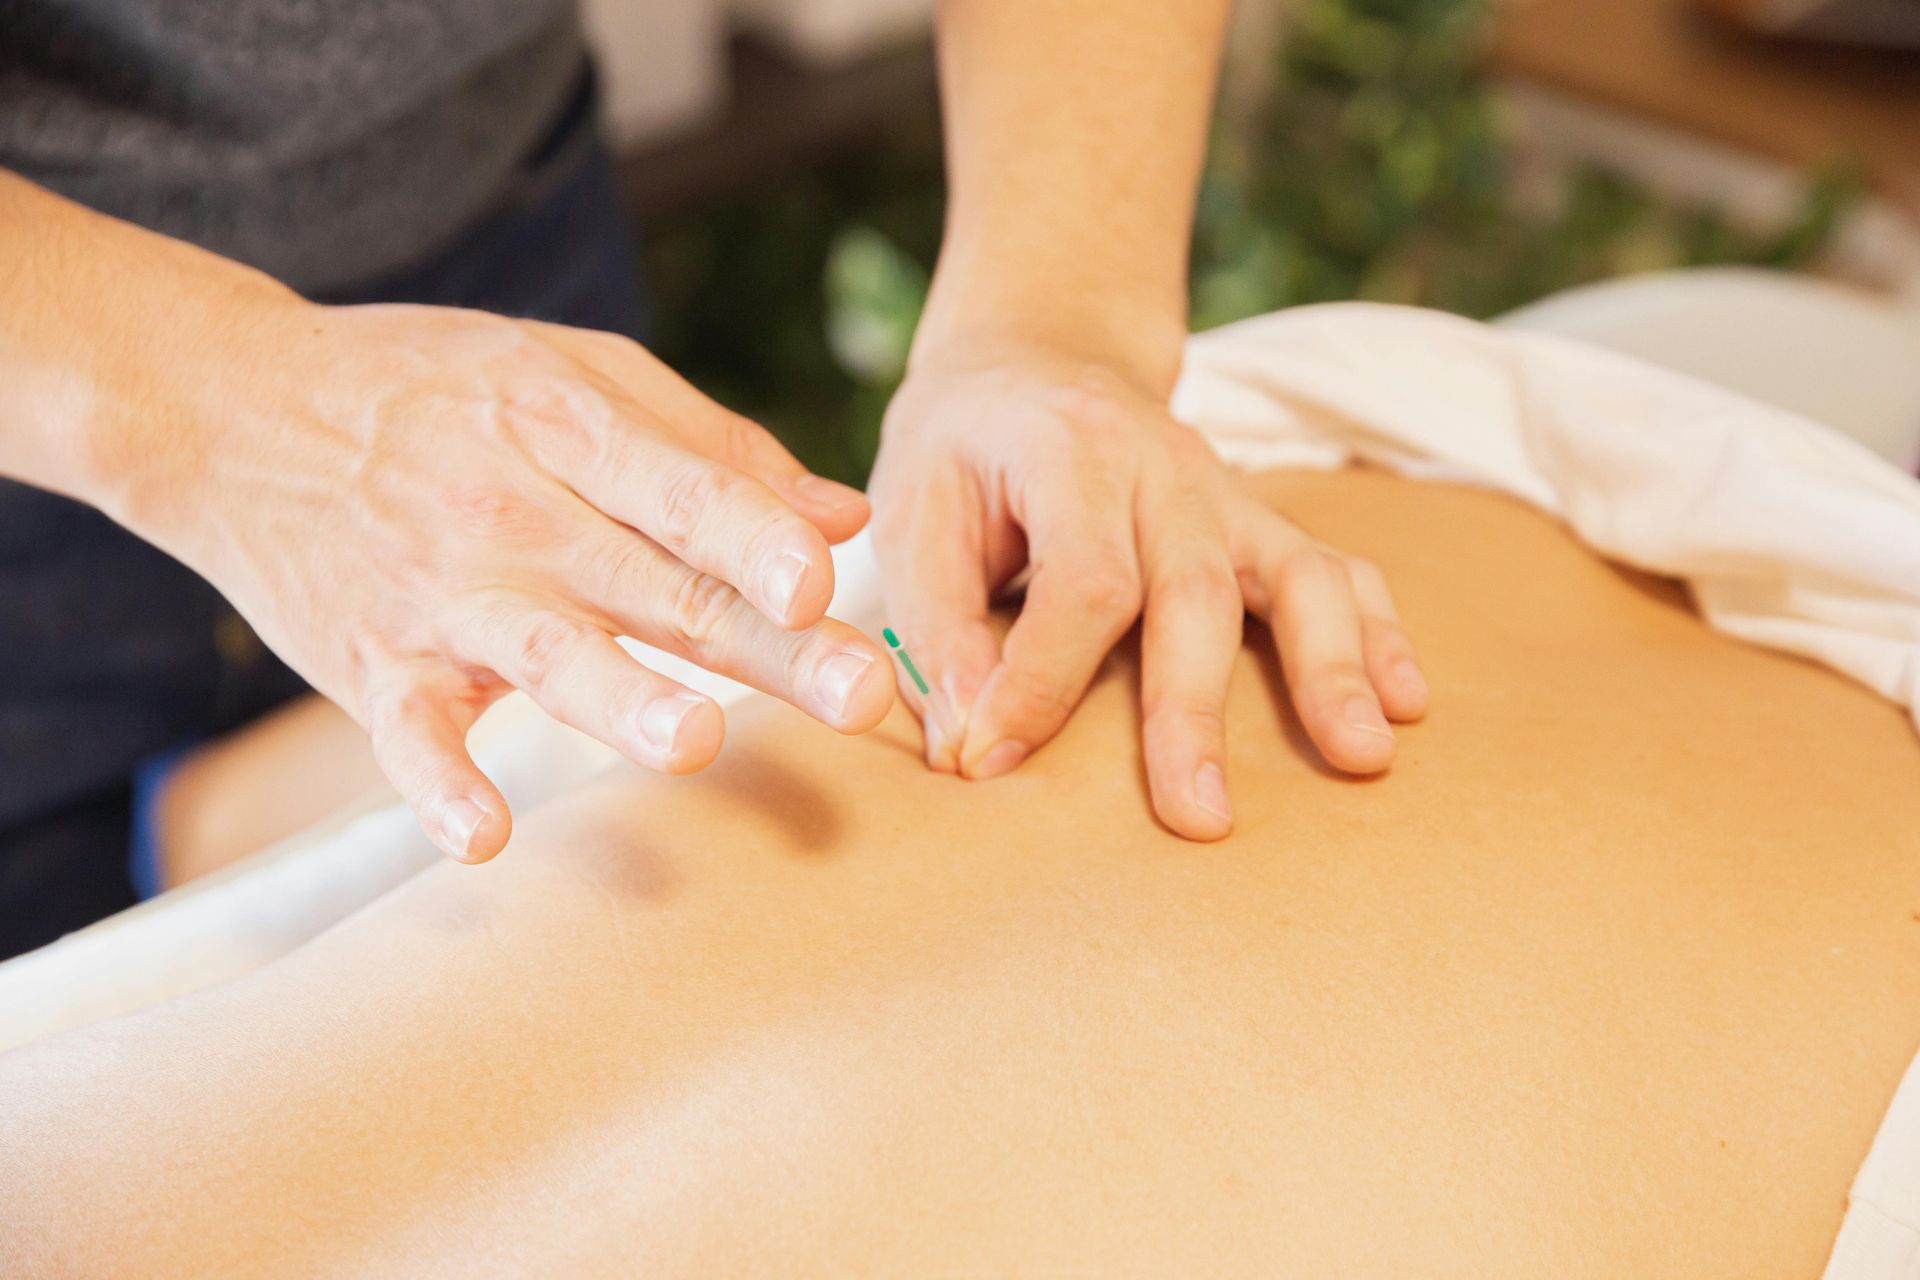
1003,757
660,720
1364,714
838,678
784,576
831,494
945,730
936,740
458,823
1210,791
957,708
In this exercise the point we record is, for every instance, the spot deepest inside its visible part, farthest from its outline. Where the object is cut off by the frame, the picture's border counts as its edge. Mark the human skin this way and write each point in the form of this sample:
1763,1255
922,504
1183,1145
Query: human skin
1612,975
1032,431
296,766
423,508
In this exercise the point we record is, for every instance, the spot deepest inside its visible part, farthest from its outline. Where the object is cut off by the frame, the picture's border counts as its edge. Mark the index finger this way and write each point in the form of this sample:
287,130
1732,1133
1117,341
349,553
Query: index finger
837,510
1084,594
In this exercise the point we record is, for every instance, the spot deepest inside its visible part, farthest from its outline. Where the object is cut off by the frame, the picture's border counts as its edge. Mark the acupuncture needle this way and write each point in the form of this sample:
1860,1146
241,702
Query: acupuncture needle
936,707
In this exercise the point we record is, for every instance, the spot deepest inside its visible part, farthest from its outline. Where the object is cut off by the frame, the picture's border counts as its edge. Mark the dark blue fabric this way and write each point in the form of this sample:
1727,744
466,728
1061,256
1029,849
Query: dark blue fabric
150,778
112,653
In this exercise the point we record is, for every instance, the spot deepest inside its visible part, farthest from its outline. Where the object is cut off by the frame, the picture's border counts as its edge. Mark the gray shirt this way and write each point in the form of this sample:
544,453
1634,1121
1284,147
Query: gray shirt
327,142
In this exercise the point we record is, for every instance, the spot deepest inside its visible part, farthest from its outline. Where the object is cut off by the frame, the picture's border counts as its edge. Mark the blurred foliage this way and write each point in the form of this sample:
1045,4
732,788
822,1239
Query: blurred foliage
1377,167
1380,168
741,293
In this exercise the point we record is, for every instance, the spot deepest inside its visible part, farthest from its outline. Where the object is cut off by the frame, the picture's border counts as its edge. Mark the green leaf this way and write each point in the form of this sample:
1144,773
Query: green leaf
875,293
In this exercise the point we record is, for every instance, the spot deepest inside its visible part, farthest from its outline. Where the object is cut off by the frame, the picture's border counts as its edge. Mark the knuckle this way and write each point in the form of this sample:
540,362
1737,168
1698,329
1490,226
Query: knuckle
1040,702
699,609
468,632
482,617
1211,588
1190,452
613,356
690,493
489,513
1108,586
390,711
1065,429
1190,712
801,662
1071,404
479,505
617,566
414,766
1094,400
1366,574
1308,566
619,346
743,442
386,717
544,648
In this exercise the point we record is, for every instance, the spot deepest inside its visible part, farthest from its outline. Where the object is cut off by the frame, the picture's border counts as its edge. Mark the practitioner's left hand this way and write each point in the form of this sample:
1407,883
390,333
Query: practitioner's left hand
1032,457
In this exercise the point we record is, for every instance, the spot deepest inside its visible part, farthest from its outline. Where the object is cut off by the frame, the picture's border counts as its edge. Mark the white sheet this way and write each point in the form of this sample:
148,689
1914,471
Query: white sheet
1789,535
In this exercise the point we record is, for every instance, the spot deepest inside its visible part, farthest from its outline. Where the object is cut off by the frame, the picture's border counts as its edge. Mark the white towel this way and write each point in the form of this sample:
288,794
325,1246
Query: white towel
1788,535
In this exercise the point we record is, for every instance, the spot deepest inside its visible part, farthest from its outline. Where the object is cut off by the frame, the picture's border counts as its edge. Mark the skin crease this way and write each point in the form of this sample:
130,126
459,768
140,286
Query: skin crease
420,508
1612,974
1213,554
1031,428
1032,432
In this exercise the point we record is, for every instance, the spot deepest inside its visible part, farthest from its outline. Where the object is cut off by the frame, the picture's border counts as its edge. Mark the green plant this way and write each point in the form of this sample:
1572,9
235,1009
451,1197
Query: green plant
1377,167
740,291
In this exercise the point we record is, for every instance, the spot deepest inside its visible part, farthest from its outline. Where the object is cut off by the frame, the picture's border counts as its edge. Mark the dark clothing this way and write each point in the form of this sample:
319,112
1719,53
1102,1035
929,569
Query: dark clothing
323,141
110,651
558,247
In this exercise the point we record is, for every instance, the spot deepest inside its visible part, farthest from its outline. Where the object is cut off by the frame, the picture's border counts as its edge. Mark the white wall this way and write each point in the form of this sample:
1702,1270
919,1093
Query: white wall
662,63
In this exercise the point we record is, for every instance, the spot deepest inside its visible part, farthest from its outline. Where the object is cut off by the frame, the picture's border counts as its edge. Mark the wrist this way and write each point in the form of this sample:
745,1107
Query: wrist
104,331
167,379
975,318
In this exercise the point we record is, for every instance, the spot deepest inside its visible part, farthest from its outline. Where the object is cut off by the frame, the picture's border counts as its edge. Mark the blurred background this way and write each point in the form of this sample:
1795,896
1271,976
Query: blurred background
781,161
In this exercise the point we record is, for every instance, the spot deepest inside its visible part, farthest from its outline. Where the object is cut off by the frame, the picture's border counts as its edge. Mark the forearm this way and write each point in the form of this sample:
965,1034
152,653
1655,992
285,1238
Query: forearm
97,319
419,507
1075,136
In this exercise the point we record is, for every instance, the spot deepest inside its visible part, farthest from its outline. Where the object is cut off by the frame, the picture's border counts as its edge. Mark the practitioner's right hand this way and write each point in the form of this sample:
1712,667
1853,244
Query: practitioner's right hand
422,508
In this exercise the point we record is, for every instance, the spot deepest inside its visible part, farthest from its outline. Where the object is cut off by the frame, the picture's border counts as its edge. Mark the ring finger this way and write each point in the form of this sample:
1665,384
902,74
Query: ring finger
580,676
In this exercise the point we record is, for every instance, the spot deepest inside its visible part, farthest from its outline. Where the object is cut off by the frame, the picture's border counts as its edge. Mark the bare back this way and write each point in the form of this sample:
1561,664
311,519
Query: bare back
1613,974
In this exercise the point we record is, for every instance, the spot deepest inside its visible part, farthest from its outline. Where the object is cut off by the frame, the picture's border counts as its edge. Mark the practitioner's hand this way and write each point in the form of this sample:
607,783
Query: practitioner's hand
989,466
422,508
